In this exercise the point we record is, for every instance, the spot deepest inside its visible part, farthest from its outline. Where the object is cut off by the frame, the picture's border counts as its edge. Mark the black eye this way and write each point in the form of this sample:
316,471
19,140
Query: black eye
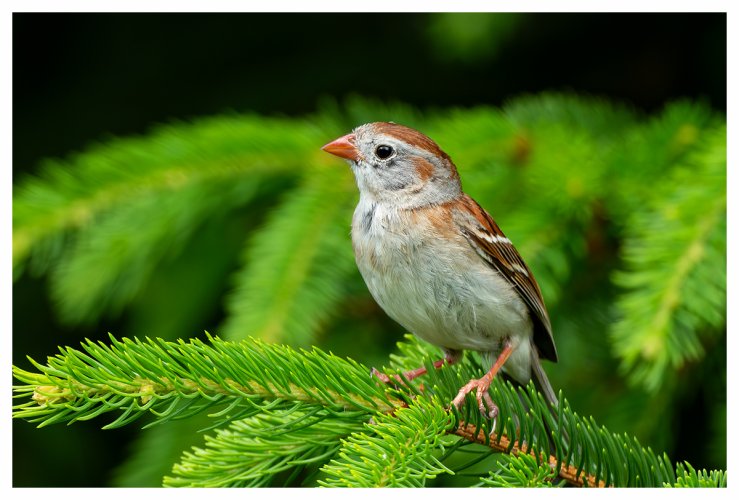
384,152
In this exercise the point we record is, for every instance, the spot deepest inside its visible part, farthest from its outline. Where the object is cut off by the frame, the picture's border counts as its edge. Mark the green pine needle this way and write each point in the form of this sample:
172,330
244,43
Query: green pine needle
579,184
176,380
394,451
71,194
277,394
287,290
235,456
675,269
522,471
688,477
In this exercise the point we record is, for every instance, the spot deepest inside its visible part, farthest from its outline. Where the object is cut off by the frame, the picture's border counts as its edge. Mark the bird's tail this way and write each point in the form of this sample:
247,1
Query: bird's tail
542,384
544,387
541,381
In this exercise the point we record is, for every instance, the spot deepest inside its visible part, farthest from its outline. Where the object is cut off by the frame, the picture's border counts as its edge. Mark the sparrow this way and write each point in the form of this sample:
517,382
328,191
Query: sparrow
439,265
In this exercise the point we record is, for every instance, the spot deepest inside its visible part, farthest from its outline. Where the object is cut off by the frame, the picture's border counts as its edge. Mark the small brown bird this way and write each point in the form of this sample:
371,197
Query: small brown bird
438,264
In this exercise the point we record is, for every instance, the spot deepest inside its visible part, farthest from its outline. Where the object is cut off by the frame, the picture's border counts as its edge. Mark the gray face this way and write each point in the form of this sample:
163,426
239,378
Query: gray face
401,167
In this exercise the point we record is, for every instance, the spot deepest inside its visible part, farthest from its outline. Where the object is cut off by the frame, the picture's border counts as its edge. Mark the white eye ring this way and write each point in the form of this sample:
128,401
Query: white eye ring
383,151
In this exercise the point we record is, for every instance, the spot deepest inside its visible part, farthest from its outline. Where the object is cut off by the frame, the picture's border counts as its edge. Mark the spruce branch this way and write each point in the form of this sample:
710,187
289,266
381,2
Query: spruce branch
689,477
599,116
404,442
274,396
297,264
521,471
125,260
650,150
288,439
653,187
675,269
71,193
585,454
176,380
542,469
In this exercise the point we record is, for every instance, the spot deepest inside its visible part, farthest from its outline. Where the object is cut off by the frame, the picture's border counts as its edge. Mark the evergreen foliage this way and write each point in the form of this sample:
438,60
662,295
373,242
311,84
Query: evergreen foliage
289,410
521,471
684,226
252,451
286,292
688,477
621,216
395,450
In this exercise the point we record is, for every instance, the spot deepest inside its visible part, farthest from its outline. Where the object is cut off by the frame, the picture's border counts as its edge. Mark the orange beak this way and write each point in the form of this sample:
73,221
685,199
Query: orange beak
343,147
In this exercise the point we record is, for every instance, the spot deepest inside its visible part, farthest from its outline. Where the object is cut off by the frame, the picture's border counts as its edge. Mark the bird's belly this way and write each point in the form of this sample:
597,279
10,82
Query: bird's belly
444,295
446,312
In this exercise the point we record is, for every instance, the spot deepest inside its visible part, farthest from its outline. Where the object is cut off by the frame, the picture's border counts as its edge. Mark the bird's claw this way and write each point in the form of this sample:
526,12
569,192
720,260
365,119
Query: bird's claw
484,401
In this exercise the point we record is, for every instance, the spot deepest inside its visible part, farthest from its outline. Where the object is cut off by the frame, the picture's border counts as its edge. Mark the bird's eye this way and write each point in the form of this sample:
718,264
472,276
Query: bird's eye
384,152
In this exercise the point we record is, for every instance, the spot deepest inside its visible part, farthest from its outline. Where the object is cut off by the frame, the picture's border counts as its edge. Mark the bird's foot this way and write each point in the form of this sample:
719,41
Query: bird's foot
481,386
484,401
409,375
385,378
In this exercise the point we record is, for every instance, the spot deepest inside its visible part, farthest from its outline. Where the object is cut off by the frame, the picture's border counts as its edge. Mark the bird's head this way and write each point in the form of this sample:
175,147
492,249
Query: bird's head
398,165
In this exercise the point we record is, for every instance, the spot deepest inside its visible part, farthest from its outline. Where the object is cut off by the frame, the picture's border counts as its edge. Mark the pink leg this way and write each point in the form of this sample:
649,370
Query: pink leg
450,357
483,384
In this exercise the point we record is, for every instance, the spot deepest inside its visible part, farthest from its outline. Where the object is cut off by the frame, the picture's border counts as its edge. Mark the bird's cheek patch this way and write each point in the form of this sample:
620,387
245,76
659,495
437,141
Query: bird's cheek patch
424,168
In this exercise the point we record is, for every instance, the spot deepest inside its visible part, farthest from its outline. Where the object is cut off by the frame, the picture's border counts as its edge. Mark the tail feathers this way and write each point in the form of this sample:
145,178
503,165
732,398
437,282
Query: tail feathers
542,384
541,381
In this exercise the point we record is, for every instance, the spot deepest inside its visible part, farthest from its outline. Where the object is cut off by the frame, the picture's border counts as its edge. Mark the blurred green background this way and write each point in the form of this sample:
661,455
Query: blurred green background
79,80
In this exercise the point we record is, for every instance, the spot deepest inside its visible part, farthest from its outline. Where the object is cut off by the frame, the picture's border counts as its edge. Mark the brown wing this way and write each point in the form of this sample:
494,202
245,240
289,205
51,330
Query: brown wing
497,251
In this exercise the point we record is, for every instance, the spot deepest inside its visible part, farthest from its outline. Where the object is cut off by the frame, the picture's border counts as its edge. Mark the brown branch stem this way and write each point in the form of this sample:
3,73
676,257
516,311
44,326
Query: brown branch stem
566,472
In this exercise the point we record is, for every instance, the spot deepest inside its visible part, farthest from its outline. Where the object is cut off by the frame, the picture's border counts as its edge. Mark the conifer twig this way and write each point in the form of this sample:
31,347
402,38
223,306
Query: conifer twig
172,380
503,445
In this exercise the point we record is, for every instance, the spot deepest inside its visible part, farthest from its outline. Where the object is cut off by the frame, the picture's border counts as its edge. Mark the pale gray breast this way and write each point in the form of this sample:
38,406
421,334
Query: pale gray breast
433,285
